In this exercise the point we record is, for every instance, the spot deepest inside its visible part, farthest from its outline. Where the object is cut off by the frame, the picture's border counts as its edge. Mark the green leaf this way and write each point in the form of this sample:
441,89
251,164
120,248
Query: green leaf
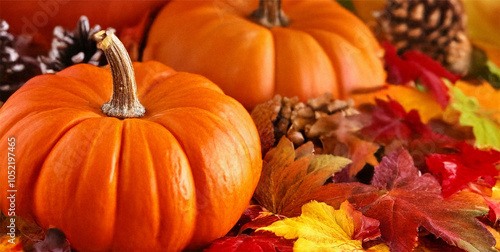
348,5
485,129
483,68
494,74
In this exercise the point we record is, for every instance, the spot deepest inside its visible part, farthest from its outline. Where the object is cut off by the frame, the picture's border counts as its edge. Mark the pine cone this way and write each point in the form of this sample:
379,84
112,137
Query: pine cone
298,121
73,47
15,69
433,27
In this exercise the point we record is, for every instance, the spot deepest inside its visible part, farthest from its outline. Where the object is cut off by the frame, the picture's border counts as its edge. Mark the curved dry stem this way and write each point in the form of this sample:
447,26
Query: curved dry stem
124,102
270,14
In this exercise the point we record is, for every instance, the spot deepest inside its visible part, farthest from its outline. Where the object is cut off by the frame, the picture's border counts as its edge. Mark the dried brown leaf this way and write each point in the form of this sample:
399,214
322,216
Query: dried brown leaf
289,175
263,116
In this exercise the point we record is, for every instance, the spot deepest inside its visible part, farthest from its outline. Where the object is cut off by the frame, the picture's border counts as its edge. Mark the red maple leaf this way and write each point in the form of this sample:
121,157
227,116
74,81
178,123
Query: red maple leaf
457,170
399,71
257,241
415,201
400,197
494,213
403,201
251,213
365,228
243,237
390,121
394,128
414,66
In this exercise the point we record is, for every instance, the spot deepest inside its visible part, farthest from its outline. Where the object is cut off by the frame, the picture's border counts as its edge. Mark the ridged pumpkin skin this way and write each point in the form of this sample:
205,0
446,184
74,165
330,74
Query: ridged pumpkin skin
179,176
31,17
324,49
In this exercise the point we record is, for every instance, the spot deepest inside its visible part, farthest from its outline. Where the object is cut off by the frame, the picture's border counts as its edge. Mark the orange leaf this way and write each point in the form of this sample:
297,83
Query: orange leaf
495,234
289,174
486,95
27,234
338,138
409,97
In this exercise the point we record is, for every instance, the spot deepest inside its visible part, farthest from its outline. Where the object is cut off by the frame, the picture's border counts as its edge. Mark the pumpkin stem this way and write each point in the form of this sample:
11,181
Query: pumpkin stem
270,14
124,102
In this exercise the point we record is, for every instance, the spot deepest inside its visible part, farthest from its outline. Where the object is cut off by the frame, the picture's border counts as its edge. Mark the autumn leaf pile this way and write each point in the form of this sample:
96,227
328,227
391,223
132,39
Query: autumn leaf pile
433,185
411,167
400,206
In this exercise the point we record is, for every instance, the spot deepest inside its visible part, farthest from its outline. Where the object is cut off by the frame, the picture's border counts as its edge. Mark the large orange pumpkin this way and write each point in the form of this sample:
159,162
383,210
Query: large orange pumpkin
178,176
41,16
321,47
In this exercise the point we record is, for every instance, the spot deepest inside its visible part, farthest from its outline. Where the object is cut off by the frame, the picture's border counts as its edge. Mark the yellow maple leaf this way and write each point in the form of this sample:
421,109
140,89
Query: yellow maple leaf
382,247
409,97
319,228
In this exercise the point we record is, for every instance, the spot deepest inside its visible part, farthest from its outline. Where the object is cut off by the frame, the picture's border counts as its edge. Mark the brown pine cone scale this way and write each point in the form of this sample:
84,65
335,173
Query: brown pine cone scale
433,27
296,120
72,47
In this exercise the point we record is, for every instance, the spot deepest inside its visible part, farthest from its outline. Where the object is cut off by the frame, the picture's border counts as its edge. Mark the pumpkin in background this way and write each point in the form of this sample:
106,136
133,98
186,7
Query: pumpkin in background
366,9
41,16
321,47
181,175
